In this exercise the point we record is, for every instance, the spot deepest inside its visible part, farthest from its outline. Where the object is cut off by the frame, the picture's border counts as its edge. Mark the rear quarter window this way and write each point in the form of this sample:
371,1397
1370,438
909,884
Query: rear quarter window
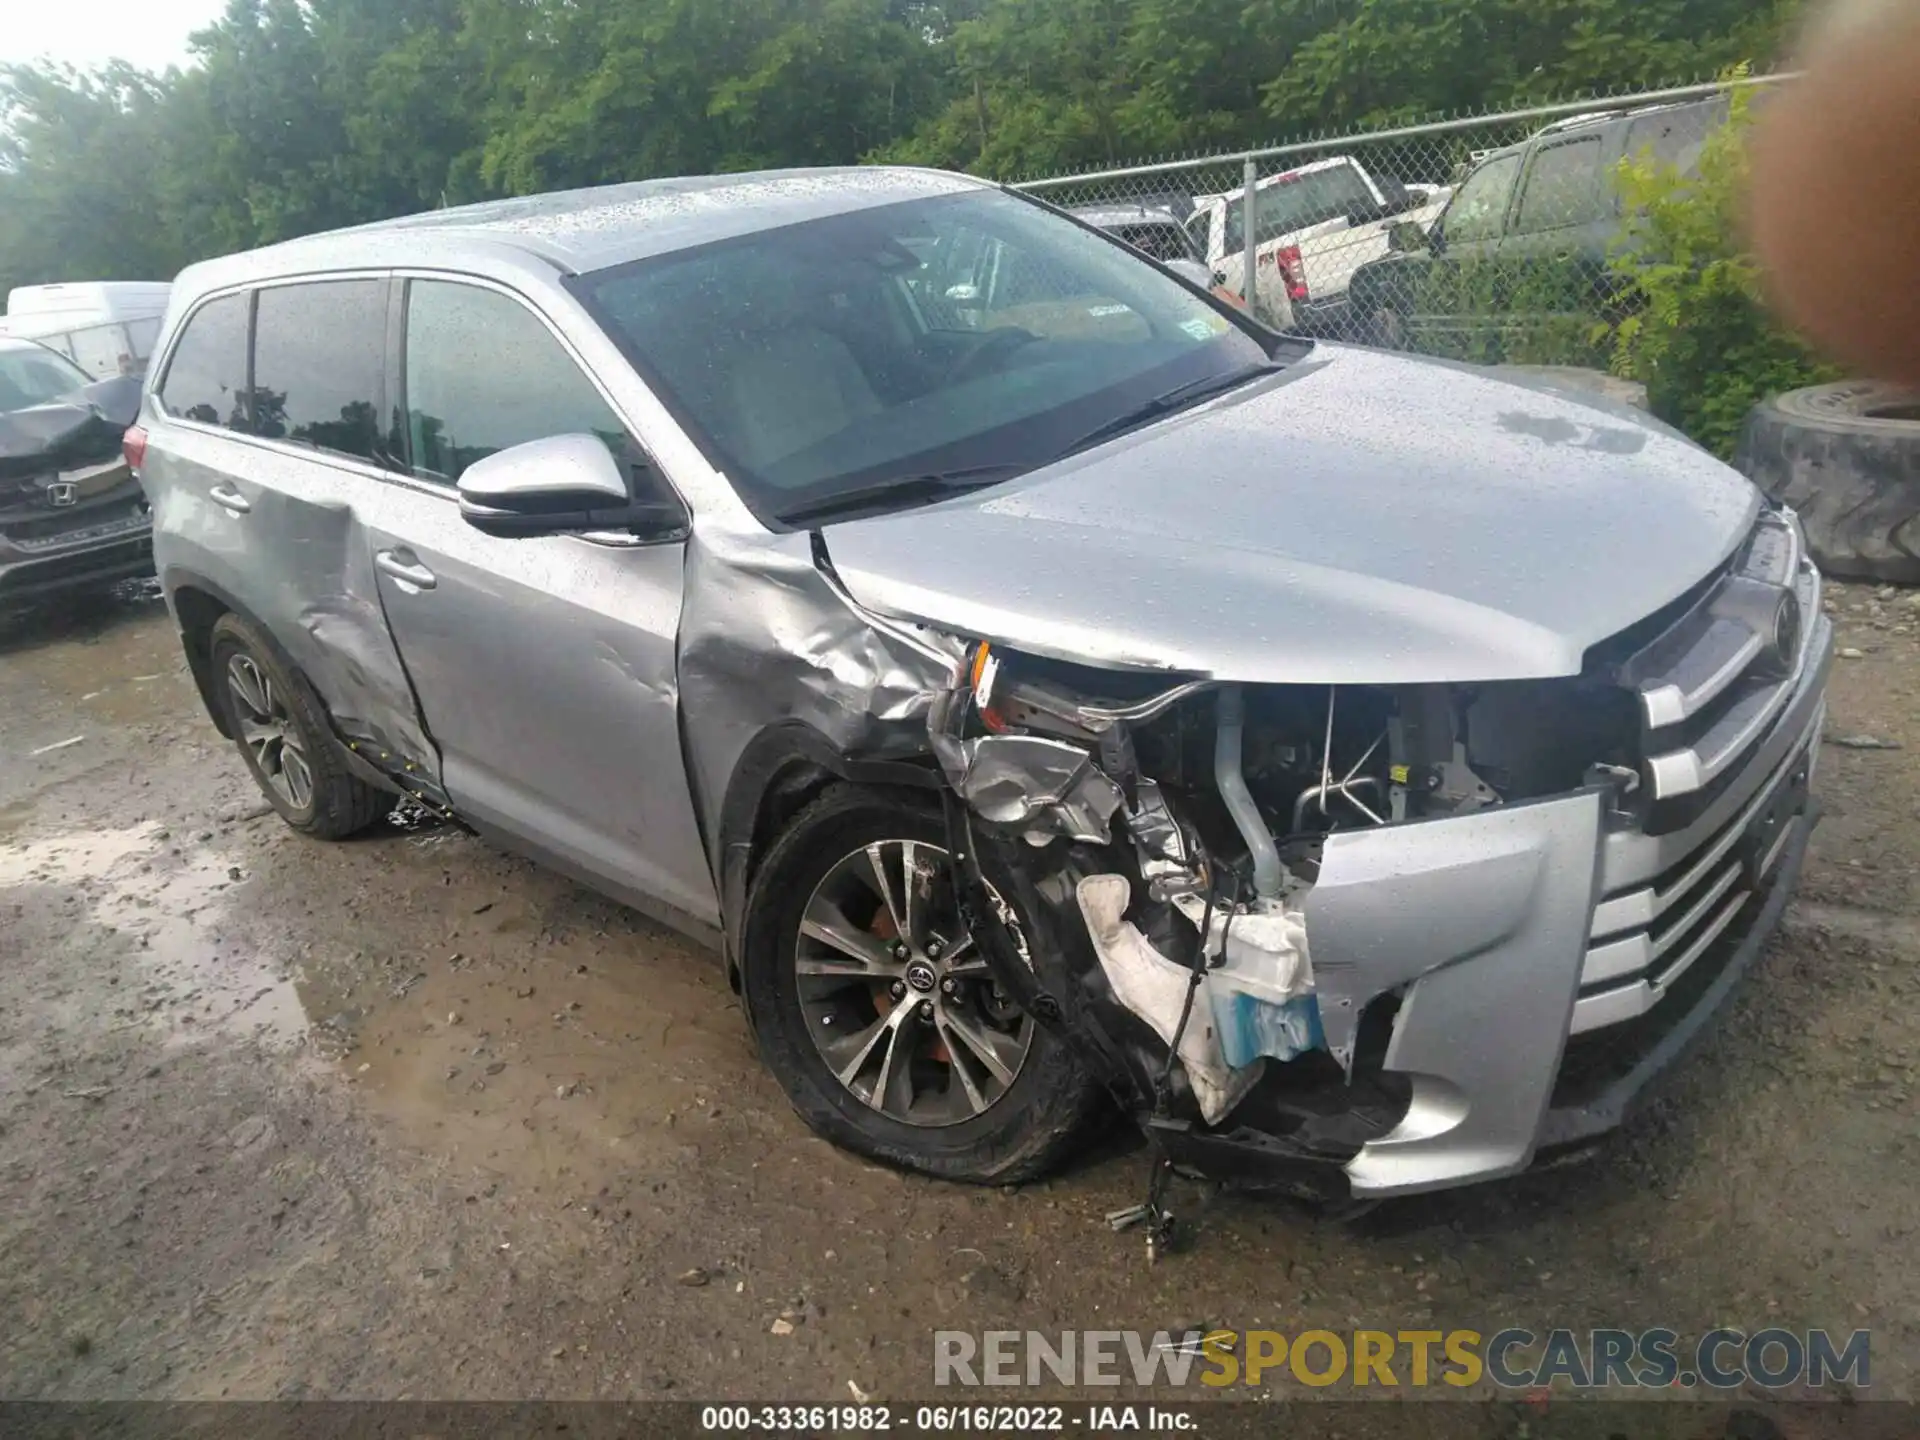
206,379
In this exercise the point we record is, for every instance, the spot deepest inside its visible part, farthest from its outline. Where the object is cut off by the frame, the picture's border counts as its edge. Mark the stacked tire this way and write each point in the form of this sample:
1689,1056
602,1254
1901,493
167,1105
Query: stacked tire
1847,458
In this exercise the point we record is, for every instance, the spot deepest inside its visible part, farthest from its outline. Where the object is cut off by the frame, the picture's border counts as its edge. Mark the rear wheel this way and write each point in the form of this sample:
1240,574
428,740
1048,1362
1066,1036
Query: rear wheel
277,722
876,1010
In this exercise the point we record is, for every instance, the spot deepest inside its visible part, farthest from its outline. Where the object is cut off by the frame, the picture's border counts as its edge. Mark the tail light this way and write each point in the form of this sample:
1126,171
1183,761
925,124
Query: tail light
1293,270
133,445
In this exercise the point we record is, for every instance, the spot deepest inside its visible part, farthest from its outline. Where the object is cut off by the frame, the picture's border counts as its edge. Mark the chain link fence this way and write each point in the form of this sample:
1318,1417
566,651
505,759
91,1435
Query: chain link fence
1491,239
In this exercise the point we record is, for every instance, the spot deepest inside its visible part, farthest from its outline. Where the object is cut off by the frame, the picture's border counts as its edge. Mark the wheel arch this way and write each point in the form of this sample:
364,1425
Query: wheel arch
197,604
779,773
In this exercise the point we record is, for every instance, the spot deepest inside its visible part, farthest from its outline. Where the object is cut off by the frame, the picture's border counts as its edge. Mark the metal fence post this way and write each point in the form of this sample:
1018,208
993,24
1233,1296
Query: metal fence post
1249,203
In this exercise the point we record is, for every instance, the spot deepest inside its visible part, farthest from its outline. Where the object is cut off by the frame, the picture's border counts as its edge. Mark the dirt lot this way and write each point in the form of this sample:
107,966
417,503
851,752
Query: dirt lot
407,1117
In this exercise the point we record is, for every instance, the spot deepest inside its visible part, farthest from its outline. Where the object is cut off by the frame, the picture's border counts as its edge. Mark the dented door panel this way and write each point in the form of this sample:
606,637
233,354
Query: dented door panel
282,531
545,669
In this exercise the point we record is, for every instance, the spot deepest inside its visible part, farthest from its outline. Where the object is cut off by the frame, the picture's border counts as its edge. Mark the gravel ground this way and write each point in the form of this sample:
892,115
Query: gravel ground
407,1117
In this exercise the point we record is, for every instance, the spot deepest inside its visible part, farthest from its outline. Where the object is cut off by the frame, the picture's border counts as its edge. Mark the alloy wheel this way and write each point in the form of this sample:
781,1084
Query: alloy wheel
268,731
897,997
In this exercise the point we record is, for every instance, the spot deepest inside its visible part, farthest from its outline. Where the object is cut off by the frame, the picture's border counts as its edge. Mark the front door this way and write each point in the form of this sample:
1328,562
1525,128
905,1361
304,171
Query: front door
545,666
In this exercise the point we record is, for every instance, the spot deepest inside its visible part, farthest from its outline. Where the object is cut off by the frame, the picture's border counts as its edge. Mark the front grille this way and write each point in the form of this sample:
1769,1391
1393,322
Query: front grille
60,527
1716,675
1646,937
1597,1059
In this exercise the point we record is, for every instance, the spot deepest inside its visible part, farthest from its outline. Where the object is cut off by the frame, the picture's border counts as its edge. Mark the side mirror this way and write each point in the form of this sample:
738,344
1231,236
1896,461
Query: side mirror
1407,238
562,484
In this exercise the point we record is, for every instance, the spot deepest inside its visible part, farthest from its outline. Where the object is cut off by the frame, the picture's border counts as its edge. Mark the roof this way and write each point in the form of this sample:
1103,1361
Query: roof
1103,215
580,230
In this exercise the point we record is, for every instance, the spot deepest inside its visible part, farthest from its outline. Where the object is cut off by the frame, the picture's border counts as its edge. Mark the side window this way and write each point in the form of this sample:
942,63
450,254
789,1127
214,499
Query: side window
483,373
207,376
1199,230
317,365
1563,187
1673,137
1479,206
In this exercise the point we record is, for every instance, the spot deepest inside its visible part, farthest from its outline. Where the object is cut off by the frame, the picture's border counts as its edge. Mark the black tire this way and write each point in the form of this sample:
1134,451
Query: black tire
1027,1131
1387,328
339,803
1847,458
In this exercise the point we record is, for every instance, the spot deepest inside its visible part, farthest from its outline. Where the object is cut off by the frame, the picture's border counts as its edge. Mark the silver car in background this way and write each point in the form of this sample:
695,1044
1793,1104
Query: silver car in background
1365,773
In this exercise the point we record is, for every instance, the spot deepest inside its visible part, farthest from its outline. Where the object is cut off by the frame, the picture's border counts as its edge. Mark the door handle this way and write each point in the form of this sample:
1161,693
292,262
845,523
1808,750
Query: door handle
403,565
230,498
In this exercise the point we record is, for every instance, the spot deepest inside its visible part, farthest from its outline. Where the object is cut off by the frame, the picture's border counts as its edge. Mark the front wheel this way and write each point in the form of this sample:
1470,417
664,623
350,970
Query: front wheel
875,1009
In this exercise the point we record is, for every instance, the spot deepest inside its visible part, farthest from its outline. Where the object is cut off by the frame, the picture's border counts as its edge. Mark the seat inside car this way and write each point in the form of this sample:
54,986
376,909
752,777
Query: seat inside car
791,388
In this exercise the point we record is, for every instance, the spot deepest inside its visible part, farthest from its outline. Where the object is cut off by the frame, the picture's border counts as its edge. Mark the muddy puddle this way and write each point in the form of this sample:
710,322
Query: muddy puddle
167,905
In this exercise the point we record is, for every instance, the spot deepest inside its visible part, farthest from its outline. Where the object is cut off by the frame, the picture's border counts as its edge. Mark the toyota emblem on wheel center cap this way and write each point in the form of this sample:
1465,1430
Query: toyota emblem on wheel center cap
921,977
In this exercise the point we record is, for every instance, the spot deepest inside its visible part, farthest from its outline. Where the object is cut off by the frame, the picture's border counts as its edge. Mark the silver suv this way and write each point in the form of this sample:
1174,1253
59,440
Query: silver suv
1366,773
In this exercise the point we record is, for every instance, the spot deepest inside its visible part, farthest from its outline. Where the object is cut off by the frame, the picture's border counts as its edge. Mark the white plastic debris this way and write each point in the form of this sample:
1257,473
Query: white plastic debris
1155,988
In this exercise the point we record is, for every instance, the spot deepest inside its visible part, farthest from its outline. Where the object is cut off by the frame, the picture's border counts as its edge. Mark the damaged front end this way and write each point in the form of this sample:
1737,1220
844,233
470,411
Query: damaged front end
1410,896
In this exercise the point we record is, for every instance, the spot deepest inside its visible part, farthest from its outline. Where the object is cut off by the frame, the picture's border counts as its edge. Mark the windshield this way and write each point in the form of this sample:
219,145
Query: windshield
964,334
34,375
1288,203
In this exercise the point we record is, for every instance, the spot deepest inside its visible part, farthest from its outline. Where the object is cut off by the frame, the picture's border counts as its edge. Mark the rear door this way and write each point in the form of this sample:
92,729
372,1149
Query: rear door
258,476
545,667
1553,259
1435,300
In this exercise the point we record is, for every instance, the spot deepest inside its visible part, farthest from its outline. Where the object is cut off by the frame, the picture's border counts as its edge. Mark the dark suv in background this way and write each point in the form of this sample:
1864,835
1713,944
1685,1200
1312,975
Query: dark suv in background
1526,236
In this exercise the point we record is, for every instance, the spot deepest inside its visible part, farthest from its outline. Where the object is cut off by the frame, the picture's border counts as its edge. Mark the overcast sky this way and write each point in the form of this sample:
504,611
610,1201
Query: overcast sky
150,33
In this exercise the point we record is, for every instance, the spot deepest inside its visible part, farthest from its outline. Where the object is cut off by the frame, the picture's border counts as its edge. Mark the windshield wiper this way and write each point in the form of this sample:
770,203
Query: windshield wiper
1178,398
901,490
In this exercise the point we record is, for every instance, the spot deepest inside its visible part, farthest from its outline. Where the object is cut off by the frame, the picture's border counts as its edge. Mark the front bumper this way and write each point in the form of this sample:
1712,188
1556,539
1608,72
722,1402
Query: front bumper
111,552
1549,960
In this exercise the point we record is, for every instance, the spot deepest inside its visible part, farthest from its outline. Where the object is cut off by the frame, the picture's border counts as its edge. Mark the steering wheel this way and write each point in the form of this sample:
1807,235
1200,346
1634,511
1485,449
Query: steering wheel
997,346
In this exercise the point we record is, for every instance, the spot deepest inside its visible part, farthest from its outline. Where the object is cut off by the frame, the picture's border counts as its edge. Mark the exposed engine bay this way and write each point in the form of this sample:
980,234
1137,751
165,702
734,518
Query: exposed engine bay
1156,815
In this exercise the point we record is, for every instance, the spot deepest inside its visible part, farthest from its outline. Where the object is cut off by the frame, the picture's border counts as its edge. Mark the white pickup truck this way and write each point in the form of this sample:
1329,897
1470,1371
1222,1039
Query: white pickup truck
1314,226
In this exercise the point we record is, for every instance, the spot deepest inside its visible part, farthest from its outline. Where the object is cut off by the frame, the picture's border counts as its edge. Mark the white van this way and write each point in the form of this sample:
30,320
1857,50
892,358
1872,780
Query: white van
107,328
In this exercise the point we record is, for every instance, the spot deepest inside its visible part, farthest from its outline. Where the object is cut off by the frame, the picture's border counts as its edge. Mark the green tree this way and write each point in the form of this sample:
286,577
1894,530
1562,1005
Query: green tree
1701,339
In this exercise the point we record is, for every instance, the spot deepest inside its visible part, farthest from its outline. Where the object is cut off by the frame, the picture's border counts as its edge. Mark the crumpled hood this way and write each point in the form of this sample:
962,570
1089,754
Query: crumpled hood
1362,518
76,439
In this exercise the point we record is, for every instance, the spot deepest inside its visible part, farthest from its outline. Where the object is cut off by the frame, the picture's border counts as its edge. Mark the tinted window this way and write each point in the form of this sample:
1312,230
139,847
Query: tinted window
317,365
1162,242
1563,187
207,377
484,373
1479,207
1673,137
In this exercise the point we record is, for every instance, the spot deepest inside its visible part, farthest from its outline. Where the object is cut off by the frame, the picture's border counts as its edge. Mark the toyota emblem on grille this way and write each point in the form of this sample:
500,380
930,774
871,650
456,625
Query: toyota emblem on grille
62,492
